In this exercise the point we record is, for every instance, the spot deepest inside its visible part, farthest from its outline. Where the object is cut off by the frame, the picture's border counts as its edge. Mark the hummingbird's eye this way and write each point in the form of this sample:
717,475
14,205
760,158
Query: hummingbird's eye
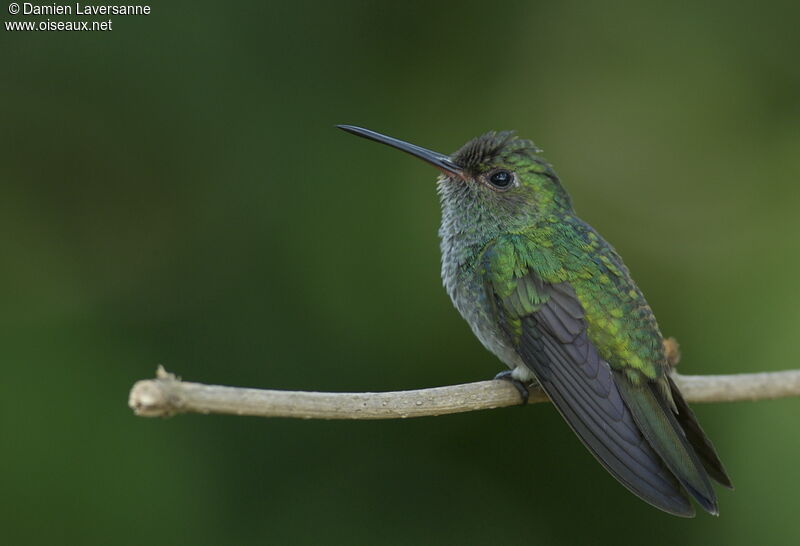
501,179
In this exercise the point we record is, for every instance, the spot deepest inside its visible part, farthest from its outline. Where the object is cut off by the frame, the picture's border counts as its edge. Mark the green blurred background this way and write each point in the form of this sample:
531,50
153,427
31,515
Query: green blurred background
174,192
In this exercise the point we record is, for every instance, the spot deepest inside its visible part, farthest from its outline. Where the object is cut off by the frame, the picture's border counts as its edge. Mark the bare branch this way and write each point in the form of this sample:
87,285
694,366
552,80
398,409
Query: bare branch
167,395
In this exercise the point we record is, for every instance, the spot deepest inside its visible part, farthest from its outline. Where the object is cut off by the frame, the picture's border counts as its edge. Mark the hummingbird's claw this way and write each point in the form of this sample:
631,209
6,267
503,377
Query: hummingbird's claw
505,375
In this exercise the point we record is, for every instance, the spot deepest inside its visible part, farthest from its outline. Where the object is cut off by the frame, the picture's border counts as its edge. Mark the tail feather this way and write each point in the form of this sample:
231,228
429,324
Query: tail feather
698,439
658,423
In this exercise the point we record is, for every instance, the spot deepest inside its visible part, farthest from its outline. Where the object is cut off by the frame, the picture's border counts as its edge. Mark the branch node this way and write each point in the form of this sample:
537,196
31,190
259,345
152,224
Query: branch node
159,397
162,373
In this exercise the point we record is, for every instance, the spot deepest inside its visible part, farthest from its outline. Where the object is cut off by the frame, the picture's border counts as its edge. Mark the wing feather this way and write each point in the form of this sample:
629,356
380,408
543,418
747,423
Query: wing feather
554,344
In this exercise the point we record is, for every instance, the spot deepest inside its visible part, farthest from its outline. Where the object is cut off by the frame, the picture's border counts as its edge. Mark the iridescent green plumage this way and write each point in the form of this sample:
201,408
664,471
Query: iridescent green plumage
554,301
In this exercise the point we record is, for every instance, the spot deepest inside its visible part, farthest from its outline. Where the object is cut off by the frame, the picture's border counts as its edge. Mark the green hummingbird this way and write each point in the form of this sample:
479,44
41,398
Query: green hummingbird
544,292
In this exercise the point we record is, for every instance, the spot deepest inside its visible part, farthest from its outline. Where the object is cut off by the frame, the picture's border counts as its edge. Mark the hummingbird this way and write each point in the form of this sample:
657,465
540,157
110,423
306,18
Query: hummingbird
544,292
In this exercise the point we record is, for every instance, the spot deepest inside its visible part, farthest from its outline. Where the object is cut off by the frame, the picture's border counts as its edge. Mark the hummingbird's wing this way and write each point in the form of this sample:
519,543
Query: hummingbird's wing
547,325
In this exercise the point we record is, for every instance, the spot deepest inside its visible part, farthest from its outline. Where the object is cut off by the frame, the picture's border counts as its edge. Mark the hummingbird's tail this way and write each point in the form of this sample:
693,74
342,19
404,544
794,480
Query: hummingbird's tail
678,439
698,439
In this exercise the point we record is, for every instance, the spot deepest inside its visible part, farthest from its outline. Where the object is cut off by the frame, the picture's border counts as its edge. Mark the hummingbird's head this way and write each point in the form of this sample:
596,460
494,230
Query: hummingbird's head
496,179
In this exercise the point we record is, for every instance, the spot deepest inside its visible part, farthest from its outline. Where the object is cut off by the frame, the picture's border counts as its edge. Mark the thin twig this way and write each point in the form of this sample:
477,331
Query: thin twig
167,395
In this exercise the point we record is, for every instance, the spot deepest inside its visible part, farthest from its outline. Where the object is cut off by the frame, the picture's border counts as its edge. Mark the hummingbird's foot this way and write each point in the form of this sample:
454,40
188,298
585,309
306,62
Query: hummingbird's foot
506,375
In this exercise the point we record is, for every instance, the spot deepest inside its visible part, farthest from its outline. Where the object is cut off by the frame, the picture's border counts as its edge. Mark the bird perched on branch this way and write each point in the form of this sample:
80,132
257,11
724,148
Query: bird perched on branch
543,291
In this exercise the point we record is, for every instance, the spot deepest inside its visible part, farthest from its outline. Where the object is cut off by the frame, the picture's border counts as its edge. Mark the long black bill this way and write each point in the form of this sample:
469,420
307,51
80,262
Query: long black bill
436,159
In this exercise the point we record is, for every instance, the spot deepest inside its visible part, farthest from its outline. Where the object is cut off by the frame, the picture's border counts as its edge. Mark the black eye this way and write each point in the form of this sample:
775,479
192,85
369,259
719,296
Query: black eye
501,179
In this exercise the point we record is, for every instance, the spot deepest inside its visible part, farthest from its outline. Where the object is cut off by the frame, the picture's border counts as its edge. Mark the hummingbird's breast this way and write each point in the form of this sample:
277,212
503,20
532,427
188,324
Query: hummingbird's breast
462,247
